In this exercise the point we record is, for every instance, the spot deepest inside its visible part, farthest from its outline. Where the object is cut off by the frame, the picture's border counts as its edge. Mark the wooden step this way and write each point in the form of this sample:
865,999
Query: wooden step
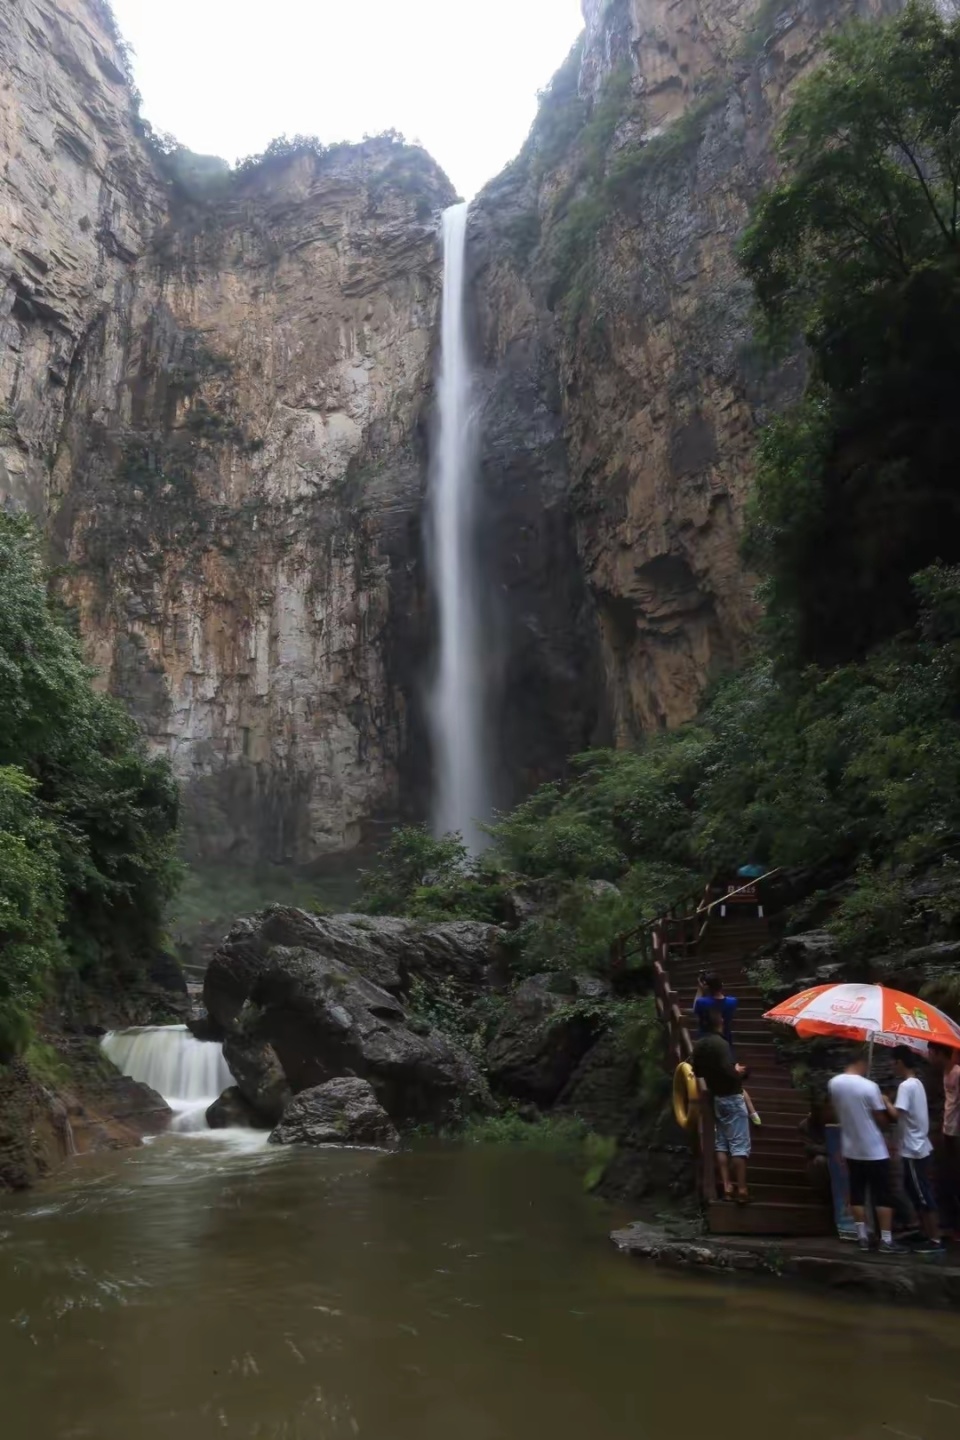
777,1166
766,1219
778,1192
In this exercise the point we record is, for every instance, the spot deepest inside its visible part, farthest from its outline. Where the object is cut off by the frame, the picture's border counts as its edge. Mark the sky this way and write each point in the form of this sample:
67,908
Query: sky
461,76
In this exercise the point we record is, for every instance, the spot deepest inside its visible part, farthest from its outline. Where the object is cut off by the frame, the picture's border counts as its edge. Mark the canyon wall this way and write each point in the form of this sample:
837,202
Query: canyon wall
606,277
216,393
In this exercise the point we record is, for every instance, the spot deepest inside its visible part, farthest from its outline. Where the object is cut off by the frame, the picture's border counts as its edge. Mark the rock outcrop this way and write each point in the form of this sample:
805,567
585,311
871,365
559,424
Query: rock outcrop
341,1112
389,952
312,1013
610,305
255,1065
544,1033
231,1110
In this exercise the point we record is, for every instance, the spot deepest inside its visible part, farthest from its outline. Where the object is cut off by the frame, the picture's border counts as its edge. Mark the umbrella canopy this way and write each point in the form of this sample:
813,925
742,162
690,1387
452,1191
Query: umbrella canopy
864,1012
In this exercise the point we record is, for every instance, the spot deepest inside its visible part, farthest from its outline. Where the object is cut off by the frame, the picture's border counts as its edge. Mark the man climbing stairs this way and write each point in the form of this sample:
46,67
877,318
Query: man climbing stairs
782,1201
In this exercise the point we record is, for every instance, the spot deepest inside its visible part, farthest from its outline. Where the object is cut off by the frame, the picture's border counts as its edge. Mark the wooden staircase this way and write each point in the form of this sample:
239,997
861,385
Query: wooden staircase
782,1202
720,937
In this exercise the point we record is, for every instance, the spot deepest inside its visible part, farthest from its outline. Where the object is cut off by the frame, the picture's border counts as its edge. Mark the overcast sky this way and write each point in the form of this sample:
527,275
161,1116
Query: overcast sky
226,76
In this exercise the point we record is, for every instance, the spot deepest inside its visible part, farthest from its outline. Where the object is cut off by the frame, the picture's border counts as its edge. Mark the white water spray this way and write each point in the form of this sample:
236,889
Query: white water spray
461,790
189,1073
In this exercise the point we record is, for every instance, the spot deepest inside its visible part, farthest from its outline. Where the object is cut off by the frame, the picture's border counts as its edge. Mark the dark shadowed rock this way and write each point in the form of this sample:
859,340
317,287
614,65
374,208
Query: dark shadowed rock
542,1037
257,1070
341,1112
386,951
203,1027
311,999
233,1109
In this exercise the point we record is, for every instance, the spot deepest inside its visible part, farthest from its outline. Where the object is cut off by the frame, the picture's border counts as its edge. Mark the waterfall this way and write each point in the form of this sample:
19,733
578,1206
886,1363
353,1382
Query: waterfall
188,1073
457,725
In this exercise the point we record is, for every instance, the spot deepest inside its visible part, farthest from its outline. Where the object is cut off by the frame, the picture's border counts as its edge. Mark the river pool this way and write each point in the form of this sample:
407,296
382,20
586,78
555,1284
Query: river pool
207,1286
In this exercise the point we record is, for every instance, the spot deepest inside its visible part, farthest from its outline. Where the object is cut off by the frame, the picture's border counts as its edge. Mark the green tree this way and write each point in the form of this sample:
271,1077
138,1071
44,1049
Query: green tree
857,250
108,808
414,860
31,906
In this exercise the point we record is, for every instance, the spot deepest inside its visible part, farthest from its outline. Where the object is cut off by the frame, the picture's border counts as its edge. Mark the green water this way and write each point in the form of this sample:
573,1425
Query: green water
197,1288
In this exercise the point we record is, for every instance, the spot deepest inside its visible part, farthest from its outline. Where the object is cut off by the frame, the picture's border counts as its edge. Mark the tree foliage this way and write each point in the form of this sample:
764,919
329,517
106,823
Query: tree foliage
858,251
87,819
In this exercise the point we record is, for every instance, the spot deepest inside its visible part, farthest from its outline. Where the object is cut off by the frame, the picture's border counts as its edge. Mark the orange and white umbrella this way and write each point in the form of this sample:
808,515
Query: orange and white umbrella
867,1012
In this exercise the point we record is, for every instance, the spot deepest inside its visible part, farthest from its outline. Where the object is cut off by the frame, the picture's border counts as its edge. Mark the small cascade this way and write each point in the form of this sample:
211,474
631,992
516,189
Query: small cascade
189,1073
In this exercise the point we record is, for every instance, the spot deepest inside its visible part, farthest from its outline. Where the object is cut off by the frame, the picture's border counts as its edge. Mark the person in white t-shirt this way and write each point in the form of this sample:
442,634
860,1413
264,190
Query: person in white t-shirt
861,1110
913,1142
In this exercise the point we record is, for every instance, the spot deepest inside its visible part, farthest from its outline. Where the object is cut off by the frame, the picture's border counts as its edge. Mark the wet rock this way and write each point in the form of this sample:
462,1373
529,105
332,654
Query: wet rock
542,1037
341,1112
388,952
231,1110
810,949
203,1027
255,1066
313,1011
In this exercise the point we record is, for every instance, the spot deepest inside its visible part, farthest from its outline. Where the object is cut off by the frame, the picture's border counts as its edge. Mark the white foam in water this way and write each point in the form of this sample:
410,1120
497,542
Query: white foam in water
189,1073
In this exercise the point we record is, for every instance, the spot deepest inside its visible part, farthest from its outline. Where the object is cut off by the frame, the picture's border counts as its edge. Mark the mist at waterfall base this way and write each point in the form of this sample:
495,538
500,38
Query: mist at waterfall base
458,702
189,1073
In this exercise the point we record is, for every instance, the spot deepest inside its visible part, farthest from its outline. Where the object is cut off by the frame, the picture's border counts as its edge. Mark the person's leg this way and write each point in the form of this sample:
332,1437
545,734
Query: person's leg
721,1145
738,1134
918,1181
882,1196
857,1184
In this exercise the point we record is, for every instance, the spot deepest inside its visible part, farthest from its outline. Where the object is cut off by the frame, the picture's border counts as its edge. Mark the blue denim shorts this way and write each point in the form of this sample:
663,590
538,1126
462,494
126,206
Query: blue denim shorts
733,1125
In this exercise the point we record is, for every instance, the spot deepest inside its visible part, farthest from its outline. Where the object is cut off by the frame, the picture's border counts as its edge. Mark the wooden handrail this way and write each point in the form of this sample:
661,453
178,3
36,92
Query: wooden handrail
681,930
722,899
664,939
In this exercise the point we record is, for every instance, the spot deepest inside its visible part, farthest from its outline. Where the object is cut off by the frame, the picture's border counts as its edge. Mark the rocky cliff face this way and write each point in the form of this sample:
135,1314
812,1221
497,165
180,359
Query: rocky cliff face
217,401
238,489
606,256
217,392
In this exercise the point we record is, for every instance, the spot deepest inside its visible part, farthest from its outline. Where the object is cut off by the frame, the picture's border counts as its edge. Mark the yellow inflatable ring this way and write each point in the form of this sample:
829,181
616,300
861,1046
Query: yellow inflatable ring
686,1096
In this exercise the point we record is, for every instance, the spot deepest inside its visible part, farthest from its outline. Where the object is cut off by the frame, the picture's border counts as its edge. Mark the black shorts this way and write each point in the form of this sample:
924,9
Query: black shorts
872,1175
918,1183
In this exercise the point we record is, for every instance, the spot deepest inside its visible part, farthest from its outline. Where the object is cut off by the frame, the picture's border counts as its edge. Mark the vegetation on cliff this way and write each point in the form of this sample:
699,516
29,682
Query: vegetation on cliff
87,819
858,249
837,751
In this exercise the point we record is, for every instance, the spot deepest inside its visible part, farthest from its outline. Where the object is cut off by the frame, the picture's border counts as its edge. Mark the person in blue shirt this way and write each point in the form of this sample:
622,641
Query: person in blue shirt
711,1000
710,996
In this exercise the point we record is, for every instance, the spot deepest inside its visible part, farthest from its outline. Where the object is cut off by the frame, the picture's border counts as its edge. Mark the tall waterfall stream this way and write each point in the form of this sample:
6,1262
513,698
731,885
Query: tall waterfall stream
457,703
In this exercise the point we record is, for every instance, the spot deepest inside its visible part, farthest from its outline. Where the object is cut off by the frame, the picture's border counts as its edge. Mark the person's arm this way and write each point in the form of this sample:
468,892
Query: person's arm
886,1111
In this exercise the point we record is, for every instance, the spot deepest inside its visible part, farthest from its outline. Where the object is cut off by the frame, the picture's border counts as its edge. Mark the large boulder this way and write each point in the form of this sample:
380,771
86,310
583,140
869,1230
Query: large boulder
388,952
341,1112
255,1066
327,1006
233,1111
544,1033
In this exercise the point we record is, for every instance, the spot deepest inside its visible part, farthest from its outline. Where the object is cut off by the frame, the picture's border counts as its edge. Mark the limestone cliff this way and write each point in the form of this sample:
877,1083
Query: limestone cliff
237,492
216,390
606,255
